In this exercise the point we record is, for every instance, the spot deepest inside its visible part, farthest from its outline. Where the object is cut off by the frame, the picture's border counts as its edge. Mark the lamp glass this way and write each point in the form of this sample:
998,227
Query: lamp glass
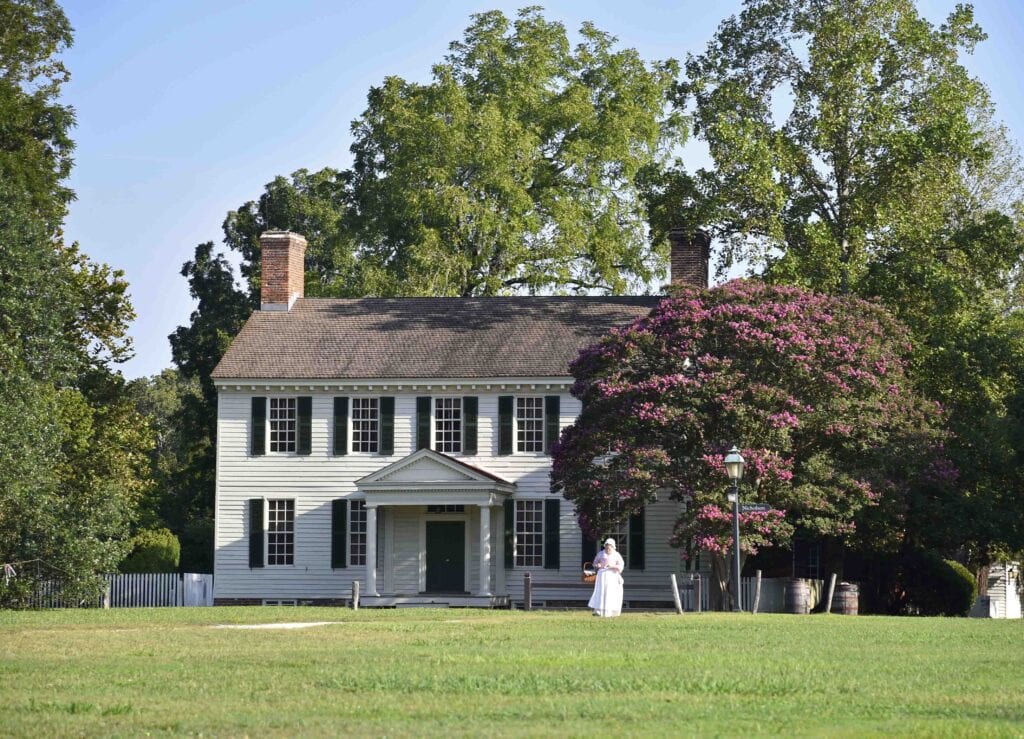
734,464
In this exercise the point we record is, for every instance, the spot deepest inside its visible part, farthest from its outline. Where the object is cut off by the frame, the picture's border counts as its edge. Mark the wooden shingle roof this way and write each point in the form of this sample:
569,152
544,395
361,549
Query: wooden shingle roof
427,338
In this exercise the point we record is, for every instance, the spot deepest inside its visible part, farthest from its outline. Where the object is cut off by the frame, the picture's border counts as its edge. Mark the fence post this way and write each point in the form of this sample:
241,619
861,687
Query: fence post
831,592
106,594
527,592
355,595
698,592
675,594
757,591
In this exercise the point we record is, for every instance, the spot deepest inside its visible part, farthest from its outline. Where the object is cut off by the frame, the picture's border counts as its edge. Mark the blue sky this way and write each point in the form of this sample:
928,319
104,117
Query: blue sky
186,109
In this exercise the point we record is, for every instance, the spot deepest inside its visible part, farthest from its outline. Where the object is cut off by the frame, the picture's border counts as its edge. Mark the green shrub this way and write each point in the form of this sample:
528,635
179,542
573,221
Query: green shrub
153,550
935,586
197,546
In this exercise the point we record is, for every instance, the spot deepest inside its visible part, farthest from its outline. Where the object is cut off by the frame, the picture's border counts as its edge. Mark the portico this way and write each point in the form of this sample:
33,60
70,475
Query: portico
447,512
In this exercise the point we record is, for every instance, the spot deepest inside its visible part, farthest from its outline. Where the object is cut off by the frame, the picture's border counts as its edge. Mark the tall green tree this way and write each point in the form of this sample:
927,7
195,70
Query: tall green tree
854,154
830,124
516,168
73,450
35,144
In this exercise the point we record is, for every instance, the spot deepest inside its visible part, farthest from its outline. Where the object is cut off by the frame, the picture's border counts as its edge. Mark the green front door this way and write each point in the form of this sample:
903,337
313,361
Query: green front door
446,556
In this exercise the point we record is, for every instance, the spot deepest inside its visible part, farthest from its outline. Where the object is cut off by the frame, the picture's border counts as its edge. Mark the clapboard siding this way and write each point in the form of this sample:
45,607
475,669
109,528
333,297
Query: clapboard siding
314,481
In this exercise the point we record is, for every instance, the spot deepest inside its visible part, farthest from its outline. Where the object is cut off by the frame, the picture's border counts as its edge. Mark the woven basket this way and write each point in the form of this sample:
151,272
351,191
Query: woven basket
588,576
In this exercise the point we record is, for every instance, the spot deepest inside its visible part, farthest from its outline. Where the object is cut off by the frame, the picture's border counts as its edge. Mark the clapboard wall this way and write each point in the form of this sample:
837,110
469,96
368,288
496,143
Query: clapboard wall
315,480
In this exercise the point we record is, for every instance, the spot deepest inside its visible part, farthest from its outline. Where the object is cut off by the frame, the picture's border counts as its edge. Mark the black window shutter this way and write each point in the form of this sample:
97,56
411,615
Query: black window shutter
505,403
470,406
387,426
259,426
304,440
339,531
552,509
510,529
636,541
341,425
552,410
588,547
255,532
423,423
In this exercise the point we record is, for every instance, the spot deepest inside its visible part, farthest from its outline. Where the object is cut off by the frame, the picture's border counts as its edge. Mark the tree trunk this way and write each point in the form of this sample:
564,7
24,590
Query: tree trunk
720,597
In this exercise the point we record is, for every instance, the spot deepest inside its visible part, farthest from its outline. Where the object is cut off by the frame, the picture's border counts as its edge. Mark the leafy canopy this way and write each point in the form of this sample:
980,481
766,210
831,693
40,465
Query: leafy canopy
516,168
813,389
832,124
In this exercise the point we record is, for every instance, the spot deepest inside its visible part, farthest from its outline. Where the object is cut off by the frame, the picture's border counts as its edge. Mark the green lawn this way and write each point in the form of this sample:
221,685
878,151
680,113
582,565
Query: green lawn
462,672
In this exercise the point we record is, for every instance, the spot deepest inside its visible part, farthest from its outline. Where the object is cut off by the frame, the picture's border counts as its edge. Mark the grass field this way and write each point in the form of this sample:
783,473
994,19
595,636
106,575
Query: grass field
460,672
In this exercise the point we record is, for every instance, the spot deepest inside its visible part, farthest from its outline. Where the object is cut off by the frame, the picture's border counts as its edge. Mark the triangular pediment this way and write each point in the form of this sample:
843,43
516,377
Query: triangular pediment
427,467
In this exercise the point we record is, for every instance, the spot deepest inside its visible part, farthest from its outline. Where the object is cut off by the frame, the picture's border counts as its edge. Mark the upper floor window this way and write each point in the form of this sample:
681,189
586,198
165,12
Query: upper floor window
366,425
448,425
280,532
283,418
530,424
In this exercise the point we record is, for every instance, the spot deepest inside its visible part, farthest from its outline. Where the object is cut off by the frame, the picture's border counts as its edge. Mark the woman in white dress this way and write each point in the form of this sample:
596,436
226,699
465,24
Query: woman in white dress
607,598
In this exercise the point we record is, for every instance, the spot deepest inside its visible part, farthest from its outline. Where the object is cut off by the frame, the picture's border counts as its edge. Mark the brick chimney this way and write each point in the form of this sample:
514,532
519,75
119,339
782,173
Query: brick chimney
282,269
691,251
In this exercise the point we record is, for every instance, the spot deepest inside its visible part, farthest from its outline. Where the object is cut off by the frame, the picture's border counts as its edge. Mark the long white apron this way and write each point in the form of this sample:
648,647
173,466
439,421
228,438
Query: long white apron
607,598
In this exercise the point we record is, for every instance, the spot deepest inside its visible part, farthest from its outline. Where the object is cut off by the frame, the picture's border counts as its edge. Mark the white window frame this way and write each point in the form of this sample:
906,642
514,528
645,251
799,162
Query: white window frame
520,429
435,442
352,425
621,535
267,533
356,559
535,558
270,429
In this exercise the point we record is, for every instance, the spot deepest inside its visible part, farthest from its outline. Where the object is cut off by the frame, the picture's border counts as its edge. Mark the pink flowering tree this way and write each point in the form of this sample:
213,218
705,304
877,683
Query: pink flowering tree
812,389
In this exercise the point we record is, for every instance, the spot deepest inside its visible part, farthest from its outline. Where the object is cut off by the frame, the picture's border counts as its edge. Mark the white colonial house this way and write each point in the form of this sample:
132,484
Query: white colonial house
404,443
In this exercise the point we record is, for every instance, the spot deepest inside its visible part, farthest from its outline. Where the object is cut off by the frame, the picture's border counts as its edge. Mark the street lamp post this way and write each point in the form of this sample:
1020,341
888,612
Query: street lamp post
734,467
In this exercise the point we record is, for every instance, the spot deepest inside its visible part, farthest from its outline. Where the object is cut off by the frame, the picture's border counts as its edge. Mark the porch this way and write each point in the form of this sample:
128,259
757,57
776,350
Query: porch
436,518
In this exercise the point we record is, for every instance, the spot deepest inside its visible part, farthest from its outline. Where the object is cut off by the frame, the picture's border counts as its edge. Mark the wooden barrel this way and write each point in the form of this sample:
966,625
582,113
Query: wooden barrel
798,596
847,599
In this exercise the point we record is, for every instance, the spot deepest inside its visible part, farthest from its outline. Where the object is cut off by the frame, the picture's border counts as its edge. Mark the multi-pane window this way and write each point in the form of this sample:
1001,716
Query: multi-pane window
530,424
621,535
282,424
446,509
365,424
280,532
529,533
357,532
448,425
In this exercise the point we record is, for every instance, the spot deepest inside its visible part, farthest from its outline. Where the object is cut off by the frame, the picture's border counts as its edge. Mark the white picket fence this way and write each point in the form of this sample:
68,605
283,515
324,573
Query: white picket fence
154,590
143,590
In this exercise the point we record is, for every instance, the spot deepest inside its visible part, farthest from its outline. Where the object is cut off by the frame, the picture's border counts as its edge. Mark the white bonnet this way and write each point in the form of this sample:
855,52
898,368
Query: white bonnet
609,541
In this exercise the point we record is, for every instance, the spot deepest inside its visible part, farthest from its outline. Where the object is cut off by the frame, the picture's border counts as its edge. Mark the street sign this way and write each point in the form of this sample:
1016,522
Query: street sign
754,507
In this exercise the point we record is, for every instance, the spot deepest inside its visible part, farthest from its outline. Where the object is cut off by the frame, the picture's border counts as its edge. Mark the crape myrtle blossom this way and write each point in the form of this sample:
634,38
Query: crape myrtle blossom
812,388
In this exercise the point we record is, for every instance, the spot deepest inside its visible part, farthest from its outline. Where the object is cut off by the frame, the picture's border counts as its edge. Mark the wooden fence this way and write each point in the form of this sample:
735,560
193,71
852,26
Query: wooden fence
141,590
155,590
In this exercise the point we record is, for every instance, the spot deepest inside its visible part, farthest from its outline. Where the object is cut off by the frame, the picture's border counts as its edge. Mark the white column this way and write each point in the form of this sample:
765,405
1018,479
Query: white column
485,550
499,553
371,550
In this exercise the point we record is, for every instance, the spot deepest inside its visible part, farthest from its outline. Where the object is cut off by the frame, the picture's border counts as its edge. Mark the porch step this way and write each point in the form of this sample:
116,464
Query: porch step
435,601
